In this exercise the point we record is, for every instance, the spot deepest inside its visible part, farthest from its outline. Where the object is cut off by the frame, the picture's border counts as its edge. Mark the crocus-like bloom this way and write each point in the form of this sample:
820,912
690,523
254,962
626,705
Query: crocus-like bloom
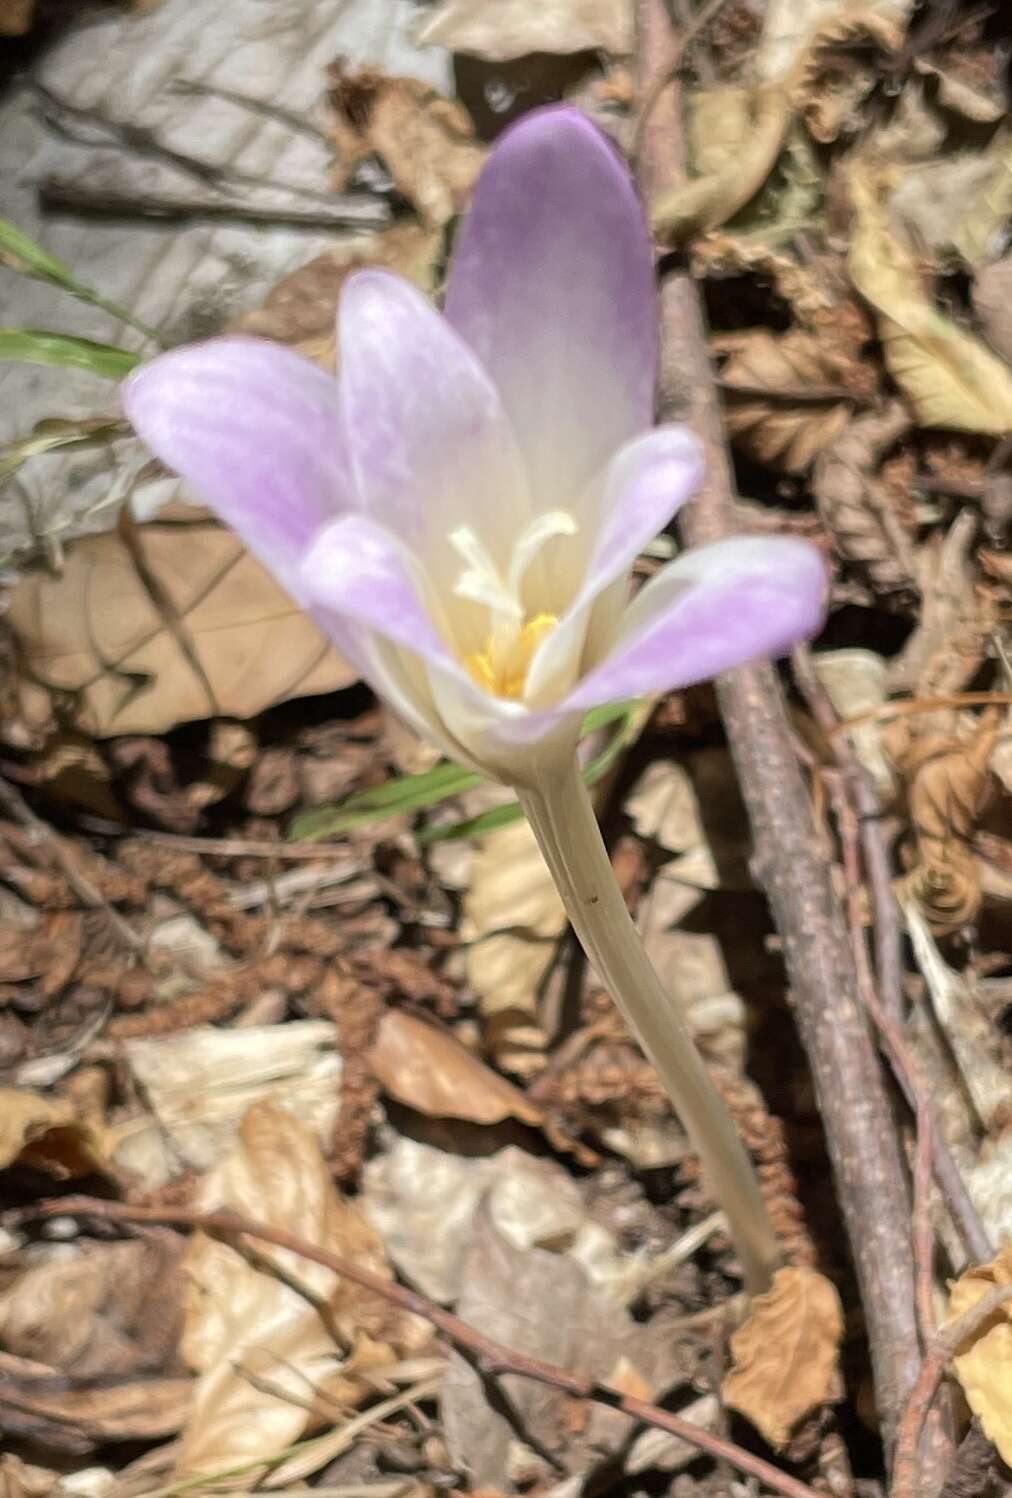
461,508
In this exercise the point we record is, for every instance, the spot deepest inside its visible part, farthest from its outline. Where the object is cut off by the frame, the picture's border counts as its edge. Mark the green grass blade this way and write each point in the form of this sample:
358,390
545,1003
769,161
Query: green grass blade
407,793
38,346
404,794
20,253
510,811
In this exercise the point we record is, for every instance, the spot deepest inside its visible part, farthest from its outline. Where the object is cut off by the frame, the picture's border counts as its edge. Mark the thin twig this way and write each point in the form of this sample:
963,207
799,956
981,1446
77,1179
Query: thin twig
675,60
923,1230
493,1359
860,1132
884,1002
906,1472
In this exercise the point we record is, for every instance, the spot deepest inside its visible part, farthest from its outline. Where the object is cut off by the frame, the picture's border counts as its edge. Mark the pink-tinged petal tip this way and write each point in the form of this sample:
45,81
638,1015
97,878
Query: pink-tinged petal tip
253,429
552,285
714,608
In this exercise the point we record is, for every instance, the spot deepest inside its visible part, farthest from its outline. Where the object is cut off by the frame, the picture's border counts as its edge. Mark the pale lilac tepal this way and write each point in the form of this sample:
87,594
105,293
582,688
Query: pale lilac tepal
461,508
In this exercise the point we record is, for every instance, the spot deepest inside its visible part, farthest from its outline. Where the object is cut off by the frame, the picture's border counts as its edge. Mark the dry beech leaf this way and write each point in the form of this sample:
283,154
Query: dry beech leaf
199,1084
984,1365
949,376
513,918
174,623
301,310
48,1134
428,1069
706,202
269,1364
786,1355
854,504
423,1201
498,30
787,429
425,141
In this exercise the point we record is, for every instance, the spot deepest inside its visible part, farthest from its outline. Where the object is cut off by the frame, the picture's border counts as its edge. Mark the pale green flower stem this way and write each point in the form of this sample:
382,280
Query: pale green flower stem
563,821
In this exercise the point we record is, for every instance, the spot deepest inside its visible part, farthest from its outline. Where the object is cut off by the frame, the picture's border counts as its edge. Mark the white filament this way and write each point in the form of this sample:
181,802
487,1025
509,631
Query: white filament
482,582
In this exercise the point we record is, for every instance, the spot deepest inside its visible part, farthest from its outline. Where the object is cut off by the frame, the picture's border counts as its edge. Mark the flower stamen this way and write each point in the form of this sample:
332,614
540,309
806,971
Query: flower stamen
501,668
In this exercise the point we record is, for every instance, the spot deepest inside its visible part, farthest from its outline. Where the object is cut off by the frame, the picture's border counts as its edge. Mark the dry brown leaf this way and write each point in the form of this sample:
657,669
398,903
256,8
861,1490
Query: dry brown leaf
301,310
788,429
428,1069
269,1364
855,505
48,1134
74,1419
498,30
786,1355
984,1365
19,1479
424,1200
558,1314
513,918
111,1311
957,205
970,1032
198,1085
425,141
96,648
15,16
710,200
950,377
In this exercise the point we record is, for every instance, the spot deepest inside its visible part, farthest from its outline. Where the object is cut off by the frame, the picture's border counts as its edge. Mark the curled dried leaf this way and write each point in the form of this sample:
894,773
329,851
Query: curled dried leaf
854,504
427,1068
984,1364
950,377
425,140
949,782
786,1355
829,83
806,408
747,158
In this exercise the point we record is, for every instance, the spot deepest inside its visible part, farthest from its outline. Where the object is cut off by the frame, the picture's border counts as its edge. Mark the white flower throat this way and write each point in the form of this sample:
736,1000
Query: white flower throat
502,666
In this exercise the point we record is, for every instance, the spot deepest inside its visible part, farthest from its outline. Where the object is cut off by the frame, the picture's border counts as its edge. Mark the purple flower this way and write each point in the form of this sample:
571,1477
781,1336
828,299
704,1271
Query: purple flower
461,508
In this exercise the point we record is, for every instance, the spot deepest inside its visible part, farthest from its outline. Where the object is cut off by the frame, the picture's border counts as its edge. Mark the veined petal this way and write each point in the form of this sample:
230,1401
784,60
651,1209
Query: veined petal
643,487
253,429
713,608
552,285
427,436
358,569
370,595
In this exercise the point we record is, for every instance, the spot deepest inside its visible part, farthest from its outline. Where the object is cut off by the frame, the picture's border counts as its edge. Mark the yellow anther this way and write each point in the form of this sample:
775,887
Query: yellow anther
503,673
